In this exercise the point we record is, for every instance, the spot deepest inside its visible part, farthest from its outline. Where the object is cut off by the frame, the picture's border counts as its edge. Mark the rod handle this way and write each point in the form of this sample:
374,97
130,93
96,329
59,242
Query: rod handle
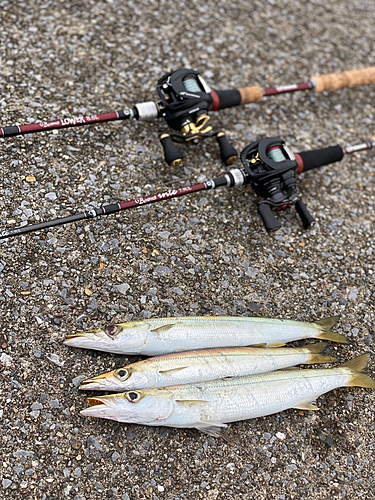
347,79
227,152
172,154
306,218
250,94
236,97
269,220
318,157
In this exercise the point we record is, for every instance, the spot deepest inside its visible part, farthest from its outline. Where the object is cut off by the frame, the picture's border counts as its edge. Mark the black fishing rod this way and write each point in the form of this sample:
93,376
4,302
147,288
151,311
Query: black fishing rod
269,166
185,103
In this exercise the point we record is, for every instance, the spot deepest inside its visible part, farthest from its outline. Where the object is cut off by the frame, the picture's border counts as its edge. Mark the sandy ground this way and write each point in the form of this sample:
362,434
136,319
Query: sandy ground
207,254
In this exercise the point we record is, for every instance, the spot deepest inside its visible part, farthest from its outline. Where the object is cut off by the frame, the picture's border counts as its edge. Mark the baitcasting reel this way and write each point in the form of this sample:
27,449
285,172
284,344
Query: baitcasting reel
271,169
186,100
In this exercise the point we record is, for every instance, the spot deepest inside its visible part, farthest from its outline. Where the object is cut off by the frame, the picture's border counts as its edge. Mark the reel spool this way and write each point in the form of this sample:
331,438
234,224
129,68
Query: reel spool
185,103
271,168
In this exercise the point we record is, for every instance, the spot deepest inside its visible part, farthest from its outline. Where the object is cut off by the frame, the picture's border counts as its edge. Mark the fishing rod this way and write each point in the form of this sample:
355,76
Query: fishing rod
269,166
185,102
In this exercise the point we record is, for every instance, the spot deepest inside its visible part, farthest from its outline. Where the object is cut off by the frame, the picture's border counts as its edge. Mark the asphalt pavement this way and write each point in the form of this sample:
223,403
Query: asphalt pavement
203,254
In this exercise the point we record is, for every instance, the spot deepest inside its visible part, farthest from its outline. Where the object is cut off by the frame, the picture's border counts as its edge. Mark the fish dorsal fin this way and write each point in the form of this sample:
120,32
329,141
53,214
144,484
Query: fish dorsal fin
169,371
259,345
191,402
306,406
163,328
276,344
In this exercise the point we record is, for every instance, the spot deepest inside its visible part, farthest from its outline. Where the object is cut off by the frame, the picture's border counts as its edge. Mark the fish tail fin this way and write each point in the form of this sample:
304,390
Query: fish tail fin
316,355
326,333
356,366
327,323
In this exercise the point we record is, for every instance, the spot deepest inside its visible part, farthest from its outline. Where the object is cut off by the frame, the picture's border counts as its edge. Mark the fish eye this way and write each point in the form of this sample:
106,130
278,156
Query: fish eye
112,330
122,374
133,397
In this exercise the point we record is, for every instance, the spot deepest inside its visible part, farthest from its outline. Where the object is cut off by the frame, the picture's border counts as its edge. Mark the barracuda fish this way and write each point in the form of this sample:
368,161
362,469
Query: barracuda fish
208,364
209,406
155,337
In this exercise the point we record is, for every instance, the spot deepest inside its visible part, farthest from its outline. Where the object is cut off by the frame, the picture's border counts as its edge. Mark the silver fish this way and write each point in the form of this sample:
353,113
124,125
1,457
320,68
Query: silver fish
207,364
155,337
209,406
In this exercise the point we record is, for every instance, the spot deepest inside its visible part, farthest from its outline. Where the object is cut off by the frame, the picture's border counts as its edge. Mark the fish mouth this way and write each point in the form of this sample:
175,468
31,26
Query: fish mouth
99,383
94,335
85,384
73,336
96,408
95,402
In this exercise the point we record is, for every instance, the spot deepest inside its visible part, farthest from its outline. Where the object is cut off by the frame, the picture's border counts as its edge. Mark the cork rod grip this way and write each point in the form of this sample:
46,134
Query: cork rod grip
250,94
348,79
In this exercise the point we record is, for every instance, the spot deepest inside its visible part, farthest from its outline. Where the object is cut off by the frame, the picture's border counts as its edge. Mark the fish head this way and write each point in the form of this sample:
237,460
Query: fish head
136,407
122,379
126,338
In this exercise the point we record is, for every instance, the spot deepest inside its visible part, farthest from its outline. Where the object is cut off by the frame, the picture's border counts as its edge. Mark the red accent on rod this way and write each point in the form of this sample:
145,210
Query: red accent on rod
216,100
286,89
1,132
299,163
172,193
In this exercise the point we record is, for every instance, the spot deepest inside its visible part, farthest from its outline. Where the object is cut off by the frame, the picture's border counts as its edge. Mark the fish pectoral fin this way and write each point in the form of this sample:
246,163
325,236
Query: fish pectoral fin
163,328
306,406
268,345
172,370
214,429
191,402
288,368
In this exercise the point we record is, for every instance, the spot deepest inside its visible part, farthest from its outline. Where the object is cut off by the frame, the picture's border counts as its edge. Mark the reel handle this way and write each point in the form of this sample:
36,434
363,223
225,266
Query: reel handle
227,152
172,154
269,220
306,218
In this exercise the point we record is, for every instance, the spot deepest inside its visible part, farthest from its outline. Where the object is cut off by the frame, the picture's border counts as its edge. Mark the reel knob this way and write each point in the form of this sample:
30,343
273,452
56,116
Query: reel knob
172,154
269,220
306,218
227,152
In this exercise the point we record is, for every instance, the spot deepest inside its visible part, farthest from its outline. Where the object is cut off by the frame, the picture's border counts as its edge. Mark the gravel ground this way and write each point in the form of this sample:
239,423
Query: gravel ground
203,254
